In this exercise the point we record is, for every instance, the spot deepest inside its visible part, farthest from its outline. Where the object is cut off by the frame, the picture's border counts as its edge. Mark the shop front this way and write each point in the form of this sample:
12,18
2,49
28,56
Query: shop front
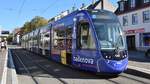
144,41
135,39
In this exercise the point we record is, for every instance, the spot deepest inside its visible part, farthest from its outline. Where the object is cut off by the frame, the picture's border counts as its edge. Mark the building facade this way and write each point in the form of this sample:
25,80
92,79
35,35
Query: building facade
107,5
134,16
97,4
16,35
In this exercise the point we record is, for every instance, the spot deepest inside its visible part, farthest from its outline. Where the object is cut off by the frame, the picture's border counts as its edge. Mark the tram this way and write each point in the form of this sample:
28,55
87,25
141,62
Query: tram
91,40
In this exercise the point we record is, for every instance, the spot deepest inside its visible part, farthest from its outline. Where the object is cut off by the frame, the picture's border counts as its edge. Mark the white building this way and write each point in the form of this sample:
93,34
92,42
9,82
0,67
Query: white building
16,35
134,16
107,5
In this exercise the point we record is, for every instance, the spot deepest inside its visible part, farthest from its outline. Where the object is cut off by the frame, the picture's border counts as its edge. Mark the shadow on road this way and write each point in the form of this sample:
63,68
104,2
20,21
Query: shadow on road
55,70
138,56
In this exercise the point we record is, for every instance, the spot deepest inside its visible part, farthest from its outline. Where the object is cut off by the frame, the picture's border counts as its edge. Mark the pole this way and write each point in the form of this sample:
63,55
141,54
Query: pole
102,4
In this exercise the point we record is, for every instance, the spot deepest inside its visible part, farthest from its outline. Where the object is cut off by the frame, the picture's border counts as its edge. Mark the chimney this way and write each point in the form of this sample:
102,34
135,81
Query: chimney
93,2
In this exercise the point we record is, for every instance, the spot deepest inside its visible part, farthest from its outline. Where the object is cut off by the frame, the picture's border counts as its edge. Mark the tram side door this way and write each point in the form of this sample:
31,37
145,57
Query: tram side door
85,52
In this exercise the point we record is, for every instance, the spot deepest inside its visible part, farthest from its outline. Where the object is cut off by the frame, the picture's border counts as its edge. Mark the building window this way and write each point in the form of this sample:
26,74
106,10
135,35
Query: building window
146,1
146,39
146,16
132,3
125,20
121,6
134,19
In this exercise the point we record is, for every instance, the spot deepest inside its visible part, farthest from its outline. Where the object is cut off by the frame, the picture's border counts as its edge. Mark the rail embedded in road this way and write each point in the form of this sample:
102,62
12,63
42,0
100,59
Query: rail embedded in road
43,69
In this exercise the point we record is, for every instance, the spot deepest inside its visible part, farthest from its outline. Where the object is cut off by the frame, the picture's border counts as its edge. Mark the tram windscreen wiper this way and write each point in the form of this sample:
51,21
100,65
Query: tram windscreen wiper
116,43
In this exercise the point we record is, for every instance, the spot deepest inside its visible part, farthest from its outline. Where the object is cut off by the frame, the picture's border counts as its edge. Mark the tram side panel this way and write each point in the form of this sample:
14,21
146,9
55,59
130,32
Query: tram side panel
78,43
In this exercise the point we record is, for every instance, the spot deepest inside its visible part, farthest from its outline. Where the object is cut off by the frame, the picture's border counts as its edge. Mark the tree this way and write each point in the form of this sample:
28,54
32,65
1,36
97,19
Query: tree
10,38
33,24
38,22
27,27
51,20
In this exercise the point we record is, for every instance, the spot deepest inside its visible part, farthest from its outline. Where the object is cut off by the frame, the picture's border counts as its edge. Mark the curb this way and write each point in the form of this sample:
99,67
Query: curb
4,74
145,73
13,70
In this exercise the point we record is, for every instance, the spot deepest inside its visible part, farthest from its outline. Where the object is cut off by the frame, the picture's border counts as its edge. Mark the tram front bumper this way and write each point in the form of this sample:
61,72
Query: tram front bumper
112,66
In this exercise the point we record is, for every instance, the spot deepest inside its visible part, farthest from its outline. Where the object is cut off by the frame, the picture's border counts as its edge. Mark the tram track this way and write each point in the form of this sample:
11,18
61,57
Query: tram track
110,80
39,66
35,59
45,69
29,53
25,68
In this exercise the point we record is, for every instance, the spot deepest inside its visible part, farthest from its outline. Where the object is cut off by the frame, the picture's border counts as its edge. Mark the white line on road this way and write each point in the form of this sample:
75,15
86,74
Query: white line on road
139,69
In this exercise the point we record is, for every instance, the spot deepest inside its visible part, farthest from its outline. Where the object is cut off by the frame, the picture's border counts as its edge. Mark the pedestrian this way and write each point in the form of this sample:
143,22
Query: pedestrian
3,45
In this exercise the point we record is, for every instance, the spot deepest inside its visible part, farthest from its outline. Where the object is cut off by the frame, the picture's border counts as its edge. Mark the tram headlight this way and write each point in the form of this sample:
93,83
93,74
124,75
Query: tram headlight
125,55
106,56
109,57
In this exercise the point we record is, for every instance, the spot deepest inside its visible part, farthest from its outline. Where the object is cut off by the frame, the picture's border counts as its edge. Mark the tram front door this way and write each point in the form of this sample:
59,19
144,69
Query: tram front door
85,51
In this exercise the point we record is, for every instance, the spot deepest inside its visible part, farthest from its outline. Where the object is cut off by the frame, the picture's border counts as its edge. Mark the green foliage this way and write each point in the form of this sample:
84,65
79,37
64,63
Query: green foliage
52,19
27,27
38,22
10,38
33,24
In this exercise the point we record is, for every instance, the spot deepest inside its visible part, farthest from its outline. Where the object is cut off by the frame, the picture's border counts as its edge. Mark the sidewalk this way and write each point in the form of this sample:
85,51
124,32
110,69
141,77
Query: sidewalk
138,59
138,62
138,56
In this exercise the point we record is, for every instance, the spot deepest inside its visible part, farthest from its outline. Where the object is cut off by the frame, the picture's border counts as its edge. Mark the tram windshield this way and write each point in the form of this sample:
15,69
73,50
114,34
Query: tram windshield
109,35
108,30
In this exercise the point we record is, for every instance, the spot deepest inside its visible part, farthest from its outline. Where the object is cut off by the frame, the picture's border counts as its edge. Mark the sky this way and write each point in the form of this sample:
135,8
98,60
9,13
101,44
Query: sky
14,13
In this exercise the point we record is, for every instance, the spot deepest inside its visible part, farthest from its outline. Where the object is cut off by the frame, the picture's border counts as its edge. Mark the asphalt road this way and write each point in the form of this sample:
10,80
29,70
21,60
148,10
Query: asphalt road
56,73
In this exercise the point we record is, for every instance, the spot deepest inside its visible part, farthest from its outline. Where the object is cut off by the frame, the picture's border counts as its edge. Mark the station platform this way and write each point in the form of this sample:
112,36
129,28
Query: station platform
7,69
3,64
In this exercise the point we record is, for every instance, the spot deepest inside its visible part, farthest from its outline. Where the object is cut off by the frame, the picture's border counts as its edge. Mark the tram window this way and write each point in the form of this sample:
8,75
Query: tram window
46,40
47,35
41,39
68,38
59,39
85,39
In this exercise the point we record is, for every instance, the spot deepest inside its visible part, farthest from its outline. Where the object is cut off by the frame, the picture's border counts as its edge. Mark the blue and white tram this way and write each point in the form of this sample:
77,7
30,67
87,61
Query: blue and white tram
90,40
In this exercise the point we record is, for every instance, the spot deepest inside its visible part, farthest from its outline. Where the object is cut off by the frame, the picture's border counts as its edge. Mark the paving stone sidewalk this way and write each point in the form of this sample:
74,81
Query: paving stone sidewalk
138,59
2,62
